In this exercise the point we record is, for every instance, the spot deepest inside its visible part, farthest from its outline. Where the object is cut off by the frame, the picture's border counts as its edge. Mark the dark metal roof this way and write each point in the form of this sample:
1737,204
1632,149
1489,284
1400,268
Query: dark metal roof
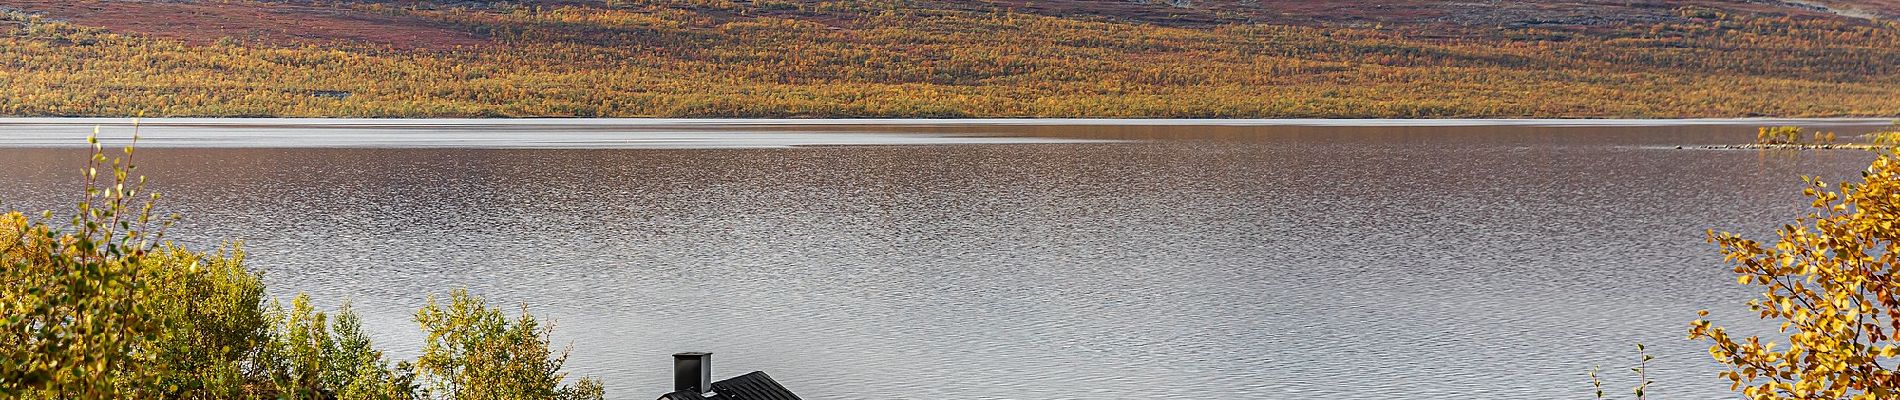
753,386
683,395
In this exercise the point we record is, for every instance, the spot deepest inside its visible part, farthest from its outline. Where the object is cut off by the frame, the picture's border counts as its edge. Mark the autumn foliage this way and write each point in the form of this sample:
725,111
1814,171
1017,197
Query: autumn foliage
1832,280
101,306
913,58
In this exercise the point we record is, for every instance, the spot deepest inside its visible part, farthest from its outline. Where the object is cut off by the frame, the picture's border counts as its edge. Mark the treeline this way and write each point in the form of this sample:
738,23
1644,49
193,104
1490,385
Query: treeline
714,58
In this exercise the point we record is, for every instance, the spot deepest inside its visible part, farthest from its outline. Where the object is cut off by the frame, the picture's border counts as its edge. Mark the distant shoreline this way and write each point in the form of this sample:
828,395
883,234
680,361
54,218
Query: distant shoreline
567,133
687,122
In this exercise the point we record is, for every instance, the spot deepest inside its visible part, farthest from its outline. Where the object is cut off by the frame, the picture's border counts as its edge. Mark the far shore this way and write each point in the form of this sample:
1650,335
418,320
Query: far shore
663,122
564,133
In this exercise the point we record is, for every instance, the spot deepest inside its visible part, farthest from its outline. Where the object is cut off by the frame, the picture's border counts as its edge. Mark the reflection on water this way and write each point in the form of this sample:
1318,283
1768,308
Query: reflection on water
1252,262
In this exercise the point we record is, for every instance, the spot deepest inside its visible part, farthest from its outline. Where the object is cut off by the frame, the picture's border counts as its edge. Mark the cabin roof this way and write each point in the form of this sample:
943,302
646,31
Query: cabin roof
754,386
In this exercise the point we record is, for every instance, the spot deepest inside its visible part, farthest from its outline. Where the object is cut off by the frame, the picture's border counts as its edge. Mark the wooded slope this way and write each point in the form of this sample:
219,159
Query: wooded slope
940,58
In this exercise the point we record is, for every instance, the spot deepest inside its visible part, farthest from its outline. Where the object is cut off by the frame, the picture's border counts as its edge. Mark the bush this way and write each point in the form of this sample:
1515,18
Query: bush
1778,135
102,307
85,306
1887,137
1833,281
474,352
310,357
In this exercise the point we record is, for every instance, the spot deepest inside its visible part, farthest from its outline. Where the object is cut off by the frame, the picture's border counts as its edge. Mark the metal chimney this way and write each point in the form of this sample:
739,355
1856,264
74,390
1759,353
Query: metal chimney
692,371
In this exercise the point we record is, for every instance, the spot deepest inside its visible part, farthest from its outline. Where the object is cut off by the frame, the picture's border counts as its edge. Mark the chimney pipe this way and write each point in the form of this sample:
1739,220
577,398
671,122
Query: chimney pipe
692,371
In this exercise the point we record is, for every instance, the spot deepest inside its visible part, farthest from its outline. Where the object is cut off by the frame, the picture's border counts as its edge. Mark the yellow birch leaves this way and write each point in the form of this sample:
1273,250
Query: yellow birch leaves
1833,281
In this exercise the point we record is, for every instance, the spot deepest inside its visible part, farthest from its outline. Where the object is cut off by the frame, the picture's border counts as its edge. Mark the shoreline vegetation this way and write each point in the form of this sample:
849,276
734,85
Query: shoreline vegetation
101,306
939,59
1798,138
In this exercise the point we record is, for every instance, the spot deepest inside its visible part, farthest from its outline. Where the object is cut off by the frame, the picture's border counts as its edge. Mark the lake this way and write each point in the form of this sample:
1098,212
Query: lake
1005,259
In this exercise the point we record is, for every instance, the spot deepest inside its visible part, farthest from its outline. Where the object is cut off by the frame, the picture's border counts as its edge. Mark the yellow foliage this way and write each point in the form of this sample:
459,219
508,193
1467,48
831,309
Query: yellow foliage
1888,137
104,308
1833,280
716,58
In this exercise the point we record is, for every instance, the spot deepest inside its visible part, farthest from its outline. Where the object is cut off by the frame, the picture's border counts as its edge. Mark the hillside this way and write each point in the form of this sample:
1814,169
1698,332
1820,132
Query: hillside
941,58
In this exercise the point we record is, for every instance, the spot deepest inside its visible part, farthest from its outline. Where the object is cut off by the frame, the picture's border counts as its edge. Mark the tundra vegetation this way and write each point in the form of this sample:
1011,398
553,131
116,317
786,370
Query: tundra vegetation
931,58
99,305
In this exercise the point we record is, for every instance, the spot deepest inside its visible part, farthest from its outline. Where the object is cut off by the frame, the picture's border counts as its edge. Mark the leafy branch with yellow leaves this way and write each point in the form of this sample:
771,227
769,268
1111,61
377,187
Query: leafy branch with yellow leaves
1833,280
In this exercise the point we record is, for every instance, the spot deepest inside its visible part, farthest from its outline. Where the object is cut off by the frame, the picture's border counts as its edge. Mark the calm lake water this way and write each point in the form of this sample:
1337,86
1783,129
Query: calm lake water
1005,259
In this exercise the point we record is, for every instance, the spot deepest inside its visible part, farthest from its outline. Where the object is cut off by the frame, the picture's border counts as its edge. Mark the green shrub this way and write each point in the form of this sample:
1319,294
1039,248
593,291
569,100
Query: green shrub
474,352
84,310
214,327
102,307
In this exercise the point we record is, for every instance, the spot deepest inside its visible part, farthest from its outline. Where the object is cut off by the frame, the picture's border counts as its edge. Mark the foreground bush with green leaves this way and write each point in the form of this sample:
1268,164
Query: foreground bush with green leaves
99,305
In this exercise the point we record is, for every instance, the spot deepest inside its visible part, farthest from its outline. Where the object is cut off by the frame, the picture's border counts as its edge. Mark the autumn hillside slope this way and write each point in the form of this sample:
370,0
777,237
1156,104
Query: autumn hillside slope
942,58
